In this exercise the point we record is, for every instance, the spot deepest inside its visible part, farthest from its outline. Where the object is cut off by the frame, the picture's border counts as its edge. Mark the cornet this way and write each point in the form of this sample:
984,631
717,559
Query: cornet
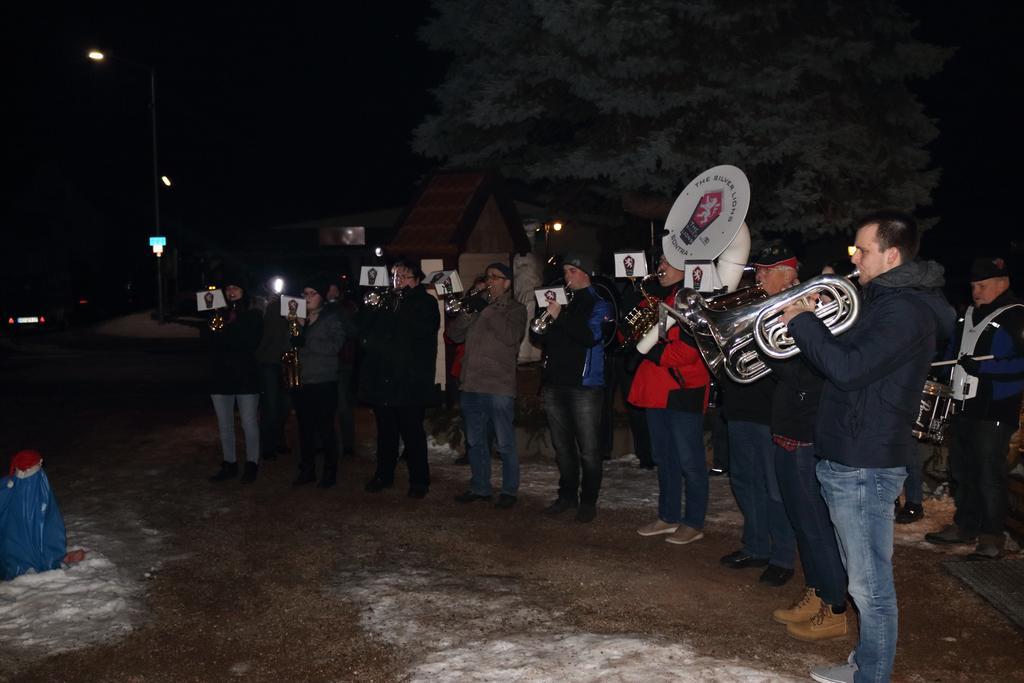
642,318
729,338
454,306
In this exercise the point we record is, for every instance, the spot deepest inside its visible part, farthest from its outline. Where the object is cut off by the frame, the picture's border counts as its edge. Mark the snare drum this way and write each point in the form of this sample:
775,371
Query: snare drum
934,412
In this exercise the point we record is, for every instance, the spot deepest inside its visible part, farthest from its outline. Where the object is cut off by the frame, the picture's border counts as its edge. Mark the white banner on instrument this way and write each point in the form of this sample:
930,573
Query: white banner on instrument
550,295
293,304
374,276
707,216
445,282
210,299
701,276
630,264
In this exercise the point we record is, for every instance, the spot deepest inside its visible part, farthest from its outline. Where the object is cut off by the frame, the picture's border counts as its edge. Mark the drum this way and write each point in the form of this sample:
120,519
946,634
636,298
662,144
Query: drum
934,412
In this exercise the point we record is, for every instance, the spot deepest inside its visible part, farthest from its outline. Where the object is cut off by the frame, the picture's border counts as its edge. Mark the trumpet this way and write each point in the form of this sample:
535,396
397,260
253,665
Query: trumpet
290,358
540,325
380,299
643,317
454,306
730,335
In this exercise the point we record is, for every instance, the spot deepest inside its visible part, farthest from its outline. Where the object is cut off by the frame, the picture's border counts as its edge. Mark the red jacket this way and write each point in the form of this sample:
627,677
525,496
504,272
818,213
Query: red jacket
672,375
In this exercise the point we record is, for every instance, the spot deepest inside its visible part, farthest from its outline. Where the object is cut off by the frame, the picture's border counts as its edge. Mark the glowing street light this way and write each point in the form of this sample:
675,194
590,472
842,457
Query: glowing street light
96,55
165,180
556,226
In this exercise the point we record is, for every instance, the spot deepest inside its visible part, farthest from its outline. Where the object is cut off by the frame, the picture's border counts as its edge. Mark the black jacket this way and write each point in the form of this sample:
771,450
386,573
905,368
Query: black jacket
399,352
573,344
796,397
232,352
876,370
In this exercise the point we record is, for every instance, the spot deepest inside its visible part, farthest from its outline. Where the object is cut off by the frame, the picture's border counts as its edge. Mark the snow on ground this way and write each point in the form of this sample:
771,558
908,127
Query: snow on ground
491,633
66,609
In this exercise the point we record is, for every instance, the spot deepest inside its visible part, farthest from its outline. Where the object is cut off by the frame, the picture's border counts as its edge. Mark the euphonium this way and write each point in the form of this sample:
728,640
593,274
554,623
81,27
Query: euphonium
454,306
729,337
216,321
290,358
540,325
639,321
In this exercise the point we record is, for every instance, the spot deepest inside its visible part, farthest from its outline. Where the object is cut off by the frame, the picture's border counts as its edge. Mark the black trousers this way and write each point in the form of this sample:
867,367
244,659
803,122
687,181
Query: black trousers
407,422
315,407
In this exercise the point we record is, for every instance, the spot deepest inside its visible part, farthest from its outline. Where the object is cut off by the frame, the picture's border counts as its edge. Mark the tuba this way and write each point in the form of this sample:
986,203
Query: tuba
290,358
541,324
644,316
731,330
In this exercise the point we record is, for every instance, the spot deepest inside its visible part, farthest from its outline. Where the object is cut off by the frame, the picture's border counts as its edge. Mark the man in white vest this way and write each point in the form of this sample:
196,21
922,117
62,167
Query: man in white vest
988,396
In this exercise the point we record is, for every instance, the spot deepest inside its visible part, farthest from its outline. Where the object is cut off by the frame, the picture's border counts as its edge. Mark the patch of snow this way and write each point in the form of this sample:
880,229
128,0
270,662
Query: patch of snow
65,609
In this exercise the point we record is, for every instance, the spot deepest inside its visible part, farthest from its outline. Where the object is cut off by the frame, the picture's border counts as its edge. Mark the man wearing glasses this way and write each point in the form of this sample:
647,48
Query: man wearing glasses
396,377
492,333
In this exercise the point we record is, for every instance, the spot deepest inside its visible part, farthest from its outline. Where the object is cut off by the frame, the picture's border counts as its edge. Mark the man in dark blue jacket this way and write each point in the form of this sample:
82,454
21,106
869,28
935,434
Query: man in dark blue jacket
874,375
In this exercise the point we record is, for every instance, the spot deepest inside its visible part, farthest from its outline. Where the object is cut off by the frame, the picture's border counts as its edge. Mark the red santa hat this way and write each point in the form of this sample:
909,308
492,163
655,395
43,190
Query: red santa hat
25,460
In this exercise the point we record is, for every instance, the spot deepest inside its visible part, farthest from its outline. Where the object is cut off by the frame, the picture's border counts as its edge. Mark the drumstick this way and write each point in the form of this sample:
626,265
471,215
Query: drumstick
954,362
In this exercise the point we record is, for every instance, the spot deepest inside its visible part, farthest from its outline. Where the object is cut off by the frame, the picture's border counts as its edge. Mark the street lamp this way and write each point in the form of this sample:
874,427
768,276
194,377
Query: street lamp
98,56
556,226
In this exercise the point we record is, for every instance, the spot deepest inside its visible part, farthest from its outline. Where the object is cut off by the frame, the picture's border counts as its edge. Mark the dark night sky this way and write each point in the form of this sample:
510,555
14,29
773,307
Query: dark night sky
286,113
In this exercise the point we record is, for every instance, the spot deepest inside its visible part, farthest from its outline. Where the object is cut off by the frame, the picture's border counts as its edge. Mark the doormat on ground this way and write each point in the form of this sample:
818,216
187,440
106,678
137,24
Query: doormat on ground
1001,582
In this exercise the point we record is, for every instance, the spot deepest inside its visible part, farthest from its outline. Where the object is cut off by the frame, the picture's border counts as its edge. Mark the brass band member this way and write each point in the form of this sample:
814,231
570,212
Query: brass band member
671,384
491,333
234,379
396,377
574,389
316,397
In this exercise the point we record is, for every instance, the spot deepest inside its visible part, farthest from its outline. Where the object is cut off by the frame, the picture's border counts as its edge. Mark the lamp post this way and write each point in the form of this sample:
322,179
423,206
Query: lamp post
98,56
548,228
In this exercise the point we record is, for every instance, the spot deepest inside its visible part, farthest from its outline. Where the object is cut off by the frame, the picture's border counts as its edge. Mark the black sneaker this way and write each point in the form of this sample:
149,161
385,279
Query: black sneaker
505,501
305,477
776,576
327,481
586,513
910,513
251,470
559,506
718,471
950,535
470,497
228,470
376,486
417,493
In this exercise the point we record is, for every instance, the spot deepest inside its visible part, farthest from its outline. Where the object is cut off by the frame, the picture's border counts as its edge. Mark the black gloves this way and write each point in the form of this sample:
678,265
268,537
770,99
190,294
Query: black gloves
475,304
971,366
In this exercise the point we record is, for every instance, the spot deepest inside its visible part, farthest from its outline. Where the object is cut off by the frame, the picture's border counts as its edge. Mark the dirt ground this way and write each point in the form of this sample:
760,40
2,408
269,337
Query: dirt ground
249,573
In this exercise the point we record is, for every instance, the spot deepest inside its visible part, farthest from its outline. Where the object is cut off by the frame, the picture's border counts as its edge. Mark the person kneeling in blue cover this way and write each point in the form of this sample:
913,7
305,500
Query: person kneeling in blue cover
32,535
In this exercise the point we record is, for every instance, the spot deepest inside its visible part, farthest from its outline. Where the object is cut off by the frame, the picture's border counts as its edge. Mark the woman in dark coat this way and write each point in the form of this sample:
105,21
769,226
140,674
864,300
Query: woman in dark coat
397,377
234,378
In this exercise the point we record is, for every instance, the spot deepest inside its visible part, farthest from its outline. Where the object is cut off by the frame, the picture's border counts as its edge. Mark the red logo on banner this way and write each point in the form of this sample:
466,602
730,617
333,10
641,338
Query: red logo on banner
698,275
708,209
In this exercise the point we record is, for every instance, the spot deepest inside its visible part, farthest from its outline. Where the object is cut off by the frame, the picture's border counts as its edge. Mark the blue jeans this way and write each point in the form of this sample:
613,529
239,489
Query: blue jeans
860,504
248,408
574,416
978,467
483,414
677,446
815,536
767,532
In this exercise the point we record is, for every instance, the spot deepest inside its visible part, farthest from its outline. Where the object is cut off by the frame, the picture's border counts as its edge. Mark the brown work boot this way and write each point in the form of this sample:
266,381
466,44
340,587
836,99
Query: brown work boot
822,626
806,606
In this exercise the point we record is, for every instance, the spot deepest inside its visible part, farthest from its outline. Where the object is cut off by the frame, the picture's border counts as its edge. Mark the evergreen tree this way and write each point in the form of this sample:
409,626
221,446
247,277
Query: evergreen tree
596,101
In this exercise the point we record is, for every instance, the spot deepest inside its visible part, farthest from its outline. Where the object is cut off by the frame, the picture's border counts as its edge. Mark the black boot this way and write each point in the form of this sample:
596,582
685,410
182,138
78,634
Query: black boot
305,477
329,479
228,470
251,470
